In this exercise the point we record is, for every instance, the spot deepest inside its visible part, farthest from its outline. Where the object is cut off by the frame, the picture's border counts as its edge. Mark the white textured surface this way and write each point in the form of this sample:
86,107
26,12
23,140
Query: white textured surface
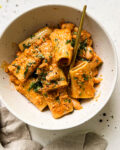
106,12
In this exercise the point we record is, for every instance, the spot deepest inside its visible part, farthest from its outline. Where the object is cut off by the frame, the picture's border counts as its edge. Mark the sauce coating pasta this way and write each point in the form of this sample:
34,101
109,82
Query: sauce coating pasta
40,69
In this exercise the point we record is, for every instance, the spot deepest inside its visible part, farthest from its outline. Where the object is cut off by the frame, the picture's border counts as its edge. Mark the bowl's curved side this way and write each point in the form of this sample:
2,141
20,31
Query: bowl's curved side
24,26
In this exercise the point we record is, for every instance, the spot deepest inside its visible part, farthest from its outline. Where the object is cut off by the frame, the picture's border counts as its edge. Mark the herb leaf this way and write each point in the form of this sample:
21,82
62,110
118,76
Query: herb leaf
85,77
32,36
26,70
45,94
57,99
73,42
18,68
68,41
56,40
67,100
35,86
26,46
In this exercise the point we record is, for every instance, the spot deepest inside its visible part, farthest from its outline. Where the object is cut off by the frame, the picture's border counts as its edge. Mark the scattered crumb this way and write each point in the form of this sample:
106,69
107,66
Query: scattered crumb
97,96
17,5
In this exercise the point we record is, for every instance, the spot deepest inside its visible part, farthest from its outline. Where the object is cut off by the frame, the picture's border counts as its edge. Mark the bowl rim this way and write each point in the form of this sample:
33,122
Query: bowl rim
115,69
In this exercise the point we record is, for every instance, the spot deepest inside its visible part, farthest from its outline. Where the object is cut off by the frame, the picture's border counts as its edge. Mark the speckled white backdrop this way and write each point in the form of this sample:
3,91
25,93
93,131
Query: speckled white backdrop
107,12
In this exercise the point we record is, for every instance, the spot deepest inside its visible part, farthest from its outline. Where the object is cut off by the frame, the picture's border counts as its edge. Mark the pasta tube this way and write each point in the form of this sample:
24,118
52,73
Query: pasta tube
59,103
34,97
24,65
39,35
82,81
53,79
96,61
61,39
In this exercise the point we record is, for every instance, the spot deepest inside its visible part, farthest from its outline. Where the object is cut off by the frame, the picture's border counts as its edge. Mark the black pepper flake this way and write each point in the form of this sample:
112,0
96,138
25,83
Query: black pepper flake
108,125
100,120
107,120
104,114
112,116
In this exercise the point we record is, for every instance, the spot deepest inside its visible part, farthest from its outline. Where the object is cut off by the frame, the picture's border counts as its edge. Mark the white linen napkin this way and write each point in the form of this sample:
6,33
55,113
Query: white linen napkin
14,135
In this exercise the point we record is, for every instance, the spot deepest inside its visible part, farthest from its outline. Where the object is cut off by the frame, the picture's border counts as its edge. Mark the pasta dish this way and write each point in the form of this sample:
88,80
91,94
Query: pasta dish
42,65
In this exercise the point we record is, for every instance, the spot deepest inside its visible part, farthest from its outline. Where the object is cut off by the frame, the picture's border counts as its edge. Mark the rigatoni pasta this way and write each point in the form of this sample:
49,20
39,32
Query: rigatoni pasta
36,37
61,39
34,97
59,103
82,85
41,67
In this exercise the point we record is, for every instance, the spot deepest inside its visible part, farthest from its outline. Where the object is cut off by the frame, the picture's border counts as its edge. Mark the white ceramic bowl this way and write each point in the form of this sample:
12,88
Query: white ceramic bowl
23,27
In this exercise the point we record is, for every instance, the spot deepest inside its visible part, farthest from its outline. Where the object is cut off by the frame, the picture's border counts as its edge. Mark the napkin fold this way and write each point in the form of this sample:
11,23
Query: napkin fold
15,135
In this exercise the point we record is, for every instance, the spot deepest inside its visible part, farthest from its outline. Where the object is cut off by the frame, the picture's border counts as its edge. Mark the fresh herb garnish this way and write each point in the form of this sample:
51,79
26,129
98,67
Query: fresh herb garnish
30,63
83,44
90,51
45,94
73,42
43,39
35,86
40,56
56,40
61,79
18,68
26,46
68,41
32,36
85,77
26,70
75,33
54,81
80,83
31,86
67,100
83,59
48,83
50,56
75,78
46,60
97,60
14,65
57,99
43,75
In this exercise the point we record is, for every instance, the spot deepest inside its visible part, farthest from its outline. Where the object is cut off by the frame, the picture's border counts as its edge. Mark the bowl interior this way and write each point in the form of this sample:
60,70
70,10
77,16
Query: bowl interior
23,27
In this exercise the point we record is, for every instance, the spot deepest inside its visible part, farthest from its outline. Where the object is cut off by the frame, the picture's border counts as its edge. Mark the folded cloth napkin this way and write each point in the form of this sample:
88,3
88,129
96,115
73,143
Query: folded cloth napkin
14,135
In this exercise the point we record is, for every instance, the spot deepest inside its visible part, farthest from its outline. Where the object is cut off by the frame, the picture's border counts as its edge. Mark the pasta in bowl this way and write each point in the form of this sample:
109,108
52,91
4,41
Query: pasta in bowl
39,69
25,77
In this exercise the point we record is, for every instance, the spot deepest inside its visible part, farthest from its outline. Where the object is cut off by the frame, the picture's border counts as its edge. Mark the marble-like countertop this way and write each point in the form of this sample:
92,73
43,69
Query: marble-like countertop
107,13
